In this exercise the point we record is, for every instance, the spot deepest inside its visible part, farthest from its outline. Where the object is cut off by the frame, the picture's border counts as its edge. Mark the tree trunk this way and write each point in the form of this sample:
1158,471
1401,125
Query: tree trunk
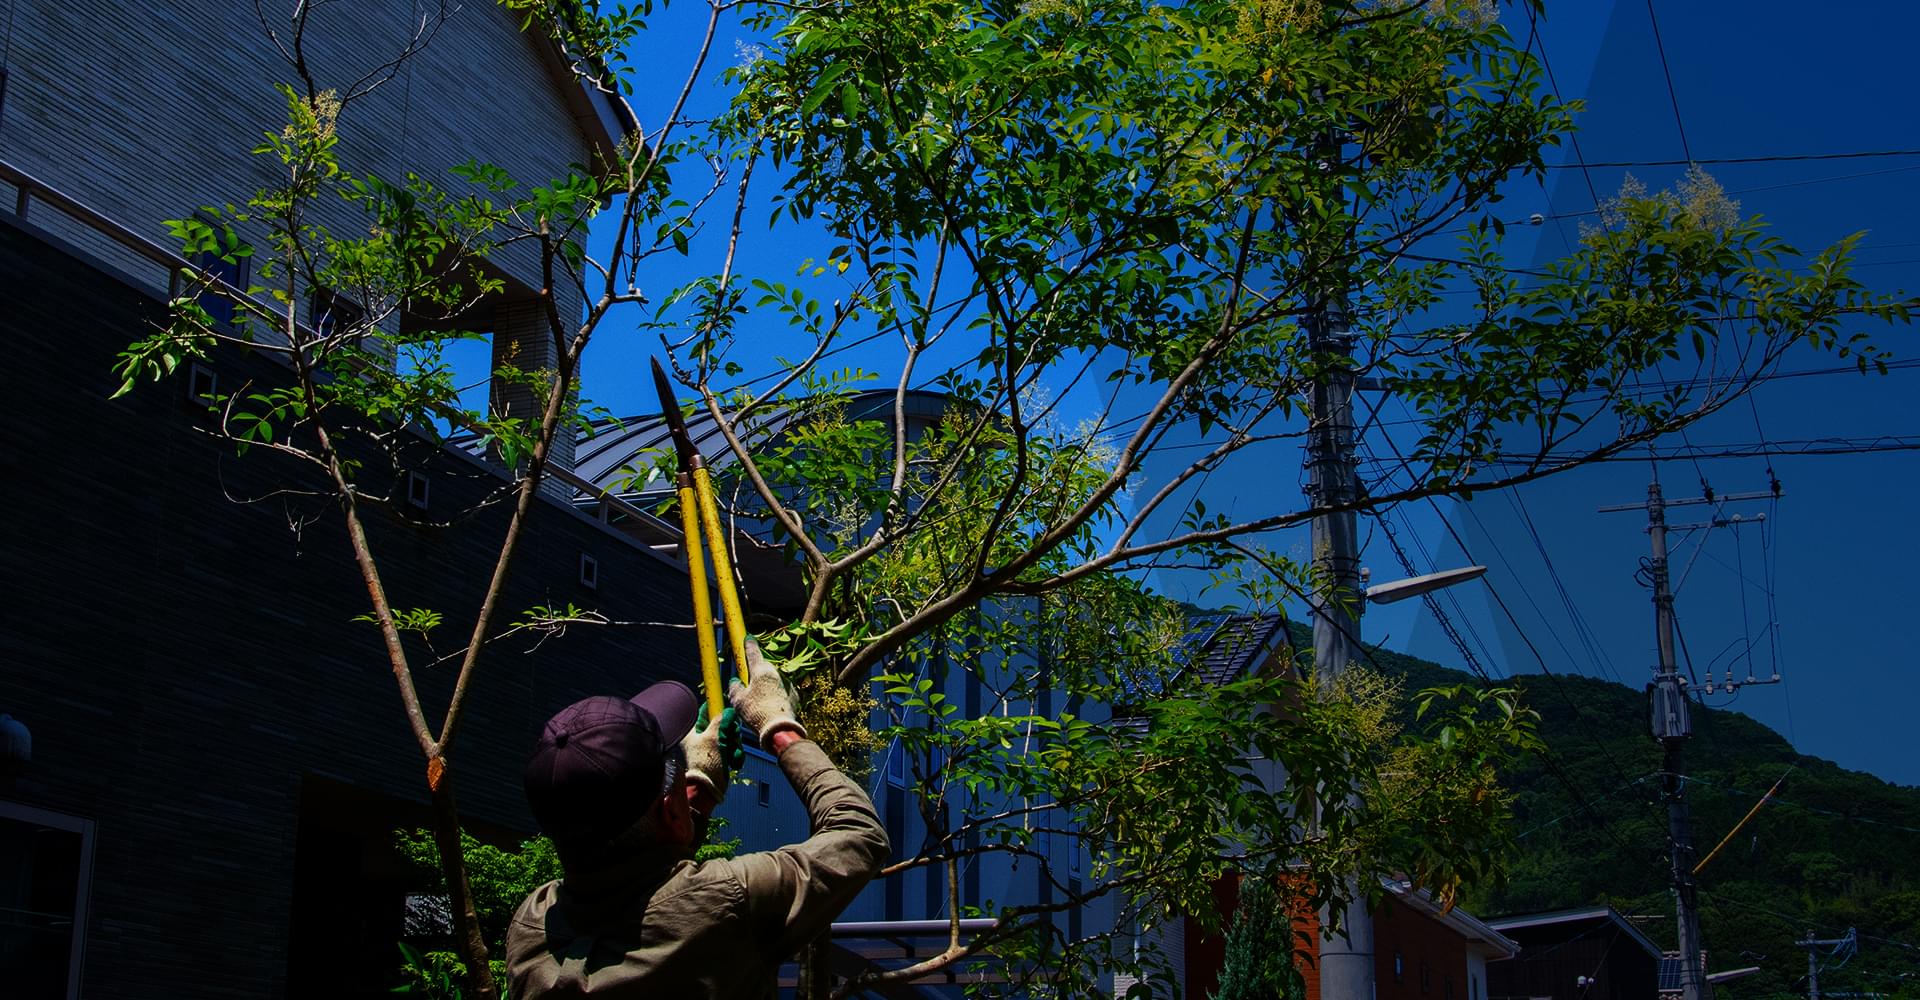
468,938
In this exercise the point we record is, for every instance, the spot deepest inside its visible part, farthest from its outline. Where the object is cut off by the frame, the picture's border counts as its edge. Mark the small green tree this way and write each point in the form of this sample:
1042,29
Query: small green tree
1259,962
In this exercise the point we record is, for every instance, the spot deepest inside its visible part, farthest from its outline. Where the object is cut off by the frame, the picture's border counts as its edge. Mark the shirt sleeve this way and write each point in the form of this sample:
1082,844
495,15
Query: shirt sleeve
795,892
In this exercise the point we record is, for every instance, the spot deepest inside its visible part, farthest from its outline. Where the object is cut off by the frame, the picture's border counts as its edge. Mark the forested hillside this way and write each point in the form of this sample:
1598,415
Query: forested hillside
1835,849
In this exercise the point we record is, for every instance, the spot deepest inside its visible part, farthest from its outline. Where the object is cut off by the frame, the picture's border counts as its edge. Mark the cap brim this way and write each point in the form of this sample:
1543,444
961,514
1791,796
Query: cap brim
673,707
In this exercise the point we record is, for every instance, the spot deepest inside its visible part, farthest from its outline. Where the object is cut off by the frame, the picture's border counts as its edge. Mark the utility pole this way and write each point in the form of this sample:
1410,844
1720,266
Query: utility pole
1672,723
1850,940
1813,968
1346,962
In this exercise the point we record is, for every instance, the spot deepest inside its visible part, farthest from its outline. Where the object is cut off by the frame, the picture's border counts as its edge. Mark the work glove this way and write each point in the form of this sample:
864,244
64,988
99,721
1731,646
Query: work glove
764,702
713,752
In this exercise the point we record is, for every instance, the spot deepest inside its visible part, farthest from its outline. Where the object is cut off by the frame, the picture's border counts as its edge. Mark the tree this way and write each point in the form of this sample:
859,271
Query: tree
1012,201
368,385
1258,962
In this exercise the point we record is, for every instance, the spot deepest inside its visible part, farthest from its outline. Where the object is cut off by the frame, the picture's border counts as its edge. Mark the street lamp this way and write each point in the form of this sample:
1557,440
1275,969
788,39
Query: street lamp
1414,586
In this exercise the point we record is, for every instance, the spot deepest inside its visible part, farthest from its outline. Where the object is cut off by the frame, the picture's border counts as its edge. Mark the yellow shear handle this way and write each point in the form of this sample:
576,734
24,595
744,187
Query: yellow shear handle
723,573
702,604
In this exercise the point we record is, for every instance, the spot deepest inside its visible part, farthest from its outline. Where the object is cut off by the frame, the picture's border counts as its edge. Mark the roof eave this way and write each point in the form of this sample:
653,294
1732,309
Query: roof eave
603,118
1495,945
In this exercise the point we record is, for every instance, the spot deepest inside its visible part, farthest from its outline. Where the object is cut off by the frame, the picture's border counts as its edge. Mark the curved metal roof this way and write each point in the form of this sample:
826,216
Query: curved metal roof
609,454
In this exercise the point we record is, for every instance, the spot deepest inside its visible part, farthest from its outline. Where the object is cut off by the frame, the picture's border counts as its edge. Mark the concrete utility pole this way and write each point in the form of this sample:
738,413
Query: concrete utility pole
1813,967
1346,962
1813,959
1671,725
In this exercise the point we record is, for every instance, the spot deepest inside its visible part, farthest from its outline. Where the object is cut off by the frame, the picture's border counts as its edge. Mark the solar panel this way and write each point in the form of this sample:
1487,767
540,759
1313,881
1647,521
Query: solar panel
1669,972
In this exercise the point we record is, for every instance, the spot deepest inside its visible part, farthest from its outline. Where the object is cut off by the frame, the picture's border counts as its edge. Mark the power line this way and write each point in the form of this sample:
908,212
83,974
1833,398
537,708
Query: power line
1581,629
1765,158
1573,137
1849,817
1547,758
1661,47
1525,592
1760,449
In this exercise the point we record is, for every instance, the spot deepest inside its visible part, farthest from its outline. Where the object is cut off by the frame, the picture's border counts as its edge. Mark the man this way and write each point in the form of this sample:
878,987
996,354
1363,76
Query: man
624,789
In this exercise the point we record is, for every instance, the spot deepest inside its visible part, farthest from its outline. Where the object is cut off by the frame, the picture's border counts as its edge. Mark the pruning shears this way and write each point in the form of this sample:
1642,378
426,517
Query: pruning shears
700,516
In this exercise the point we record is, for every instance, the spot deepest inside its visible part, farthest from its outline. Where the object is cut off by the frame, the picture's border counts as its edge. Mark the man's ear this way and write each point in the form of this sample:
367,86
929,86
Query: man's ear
676,818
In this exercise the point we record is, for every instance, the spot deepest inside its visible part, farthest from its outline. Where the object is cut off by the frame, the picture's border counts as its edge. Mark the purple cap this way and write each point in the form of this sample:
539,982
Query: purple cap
602,762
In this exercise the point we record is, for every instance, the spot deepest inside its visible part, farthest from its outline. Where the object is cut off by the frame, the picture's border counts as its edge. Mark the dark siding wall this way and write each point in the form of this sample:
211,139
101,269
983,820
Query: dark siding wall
1554,957
186,661
1433,959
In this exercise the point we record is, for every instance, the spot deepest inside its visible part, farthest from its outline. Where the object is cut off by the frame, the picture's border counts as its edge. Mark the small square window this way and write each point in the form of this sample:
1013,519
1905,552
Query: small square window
335,313
203,385
220,305
417,489
589,572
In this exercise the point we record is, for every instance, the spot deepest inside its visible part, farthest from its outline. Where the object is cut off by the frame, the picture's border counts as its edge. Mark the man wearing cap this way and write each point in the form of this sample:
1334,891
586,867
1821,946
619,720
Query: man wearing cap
624,788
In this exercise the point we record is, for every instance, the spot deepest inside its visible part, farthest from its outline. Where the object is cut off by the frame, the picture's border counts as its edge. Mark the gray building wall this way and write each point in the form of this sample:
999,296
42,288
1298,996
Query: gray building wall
195,682
148,111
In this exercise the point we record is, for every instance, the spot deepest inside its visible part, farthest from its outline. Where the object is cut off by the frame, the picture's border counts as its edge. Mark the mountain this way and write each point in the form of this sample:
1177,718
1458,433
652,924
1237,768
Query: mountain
1835,849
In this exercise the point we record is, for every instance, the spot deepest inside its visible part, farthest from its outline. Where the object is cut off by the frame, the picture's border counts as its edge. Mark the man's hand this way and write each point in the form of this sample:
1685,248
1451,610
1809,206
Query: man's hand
713,752
764,703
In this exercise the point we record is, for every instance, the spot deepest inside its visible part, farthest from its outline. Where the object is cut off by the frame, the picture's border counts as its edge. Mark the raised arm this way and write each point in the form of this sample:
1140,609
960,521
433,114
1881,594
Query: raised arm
795,892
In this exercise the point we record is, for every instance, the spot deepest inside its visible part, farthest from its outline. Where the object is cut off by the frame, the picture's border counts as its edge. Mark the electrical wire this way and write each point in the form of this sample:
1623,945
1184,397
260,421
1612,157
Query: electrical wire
1763,449
1573,704
1573,138
1526,592
1763,158
1849,817
1582,631
1672,95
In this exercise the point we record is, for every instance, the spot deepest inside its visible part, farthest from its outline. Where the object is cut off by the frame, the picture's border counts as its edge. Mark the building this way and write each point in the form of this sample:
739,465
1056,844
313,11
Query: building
1422,950
218,758
1591,953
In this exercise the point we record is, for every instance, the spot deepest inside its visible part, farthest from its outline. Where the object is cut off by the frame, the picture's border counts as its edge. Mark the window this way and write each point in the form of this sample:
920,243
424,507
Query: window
1399,967
46,860
334,313
219,305
417,490
589,572
897,764
203,385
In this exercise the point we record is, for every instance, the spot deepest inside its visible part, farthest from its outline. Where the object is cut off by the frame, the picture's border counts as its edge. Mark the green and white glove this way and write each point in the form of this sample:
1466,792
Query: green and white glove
714,752
765,704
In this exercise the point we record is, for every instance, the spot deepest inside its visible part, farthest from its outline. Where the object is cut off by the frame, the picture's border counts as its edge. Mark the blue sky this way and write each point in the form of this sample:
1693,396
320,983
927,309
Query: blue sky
1835,555
1764,78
